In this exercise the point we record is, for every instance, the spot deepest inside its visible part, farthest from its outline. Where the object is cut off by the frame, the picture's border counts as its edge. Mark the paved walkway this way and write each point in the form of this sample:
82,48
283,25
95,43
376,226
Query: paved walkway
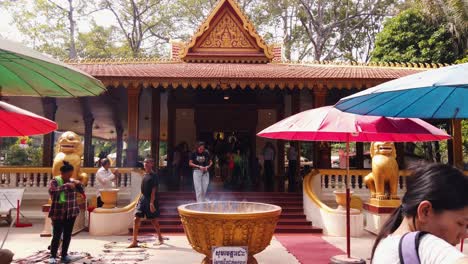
26,241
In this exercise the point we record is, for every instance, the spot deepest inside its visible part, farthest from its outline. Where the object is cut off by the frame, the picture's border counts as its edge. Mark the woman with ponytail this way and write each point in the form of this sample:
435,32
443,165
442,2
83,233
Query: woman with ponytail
435,203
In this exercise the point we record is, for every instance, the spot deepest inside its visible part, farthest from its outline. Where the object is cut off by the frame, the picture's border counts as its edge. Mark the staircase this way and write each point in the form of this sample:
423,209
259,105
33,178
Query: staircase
292,219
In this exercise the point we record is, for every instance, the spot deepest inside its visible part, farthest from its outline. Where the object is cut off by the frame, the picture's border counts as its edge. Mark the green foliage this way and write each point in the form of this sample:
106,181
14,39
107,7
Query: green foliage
102,42
411,37
105,147
16,155
49,25
463,59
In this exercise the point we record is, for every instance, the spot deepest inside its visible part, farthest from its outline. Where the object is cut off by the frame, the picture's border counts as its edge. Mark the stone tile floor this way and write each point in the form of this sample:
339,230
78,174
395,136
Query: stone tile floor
26,241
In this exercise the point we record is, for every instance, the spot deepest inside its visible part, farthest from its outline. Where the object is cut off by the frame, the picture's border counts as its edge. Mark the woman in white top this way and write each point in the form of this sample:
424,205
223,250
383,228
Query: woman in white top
436,202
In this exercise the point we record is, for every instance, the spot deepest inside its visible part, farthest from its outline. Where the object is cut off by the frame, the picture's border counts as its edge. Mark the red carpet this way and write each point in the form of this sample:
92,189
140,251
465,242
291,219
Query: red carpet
309,248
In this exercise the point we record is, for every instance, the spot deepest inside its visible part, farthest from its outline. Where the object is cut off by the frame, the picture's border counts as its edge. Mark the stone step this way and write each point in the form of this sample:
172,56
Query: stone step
171,209
284,215
292,219
282,221
279,229
283,194
176,202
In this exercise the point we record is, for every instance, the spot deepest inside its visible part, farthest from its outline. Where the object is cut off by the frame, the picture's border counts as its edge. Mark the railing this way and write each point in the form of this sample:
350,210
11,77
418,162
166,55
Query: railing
335,179
35,179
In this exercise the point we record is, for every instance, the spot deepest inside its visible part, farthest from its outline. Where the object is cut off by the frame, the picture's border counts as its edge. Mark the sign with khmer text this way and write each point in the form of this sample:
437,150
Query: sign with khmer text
230,255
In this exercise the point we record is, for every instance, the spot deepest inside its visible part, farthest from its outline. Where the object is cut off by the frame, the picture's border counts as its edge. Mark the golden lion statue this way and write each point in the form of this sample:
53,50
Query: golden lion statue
69,148
384,173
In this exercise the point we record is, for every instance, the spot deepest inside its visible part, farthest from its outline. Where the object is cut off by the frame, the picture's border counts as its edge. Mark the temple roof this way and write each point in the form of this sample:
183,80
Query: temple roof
227,35
281,75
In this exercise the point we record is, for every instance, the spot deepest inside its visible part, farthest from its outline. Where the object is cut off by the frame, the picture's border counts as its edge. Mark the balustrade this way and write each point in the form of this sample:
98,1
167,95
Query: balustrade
35,179
335,179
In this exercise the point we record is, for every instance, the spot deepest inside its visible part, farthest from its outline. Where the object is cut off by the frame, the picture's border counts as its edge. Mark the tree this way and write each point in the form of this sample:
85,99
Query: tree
410,37
19,155
329,24
49,24
453,14
102,42
143,22
280,20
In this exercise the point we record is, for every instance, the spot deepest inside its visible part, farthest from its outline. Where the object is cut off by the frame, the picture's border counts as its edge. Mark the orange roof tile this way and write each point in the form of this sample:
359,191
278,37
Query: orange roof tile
242,71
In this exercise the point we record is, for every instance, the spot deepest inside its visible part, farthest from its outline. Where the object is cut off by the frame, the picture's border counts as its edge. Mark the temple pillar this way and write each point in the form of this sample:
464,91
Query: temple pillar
119,143
280,153
50,109
457,143
88,119
155,124
400,152
296,108
133,94
322,150
359,155
171,126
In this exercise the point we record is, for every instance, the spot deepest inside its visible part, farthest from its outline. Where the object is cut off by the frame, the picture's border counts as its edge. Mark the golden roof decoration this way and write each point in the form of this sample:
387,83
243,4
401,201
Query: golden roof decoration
227,35
155,60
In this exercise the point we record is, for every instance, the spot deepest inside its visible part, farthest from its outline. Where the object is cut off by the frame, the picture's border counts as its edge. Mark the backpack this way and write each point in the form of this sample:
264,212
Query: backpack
408,249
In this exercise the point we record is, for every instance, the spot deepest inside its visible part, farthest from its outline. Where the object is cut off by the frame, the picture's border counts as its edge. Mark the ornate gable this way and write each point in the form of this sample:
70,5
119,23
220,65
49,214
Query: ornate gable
227,36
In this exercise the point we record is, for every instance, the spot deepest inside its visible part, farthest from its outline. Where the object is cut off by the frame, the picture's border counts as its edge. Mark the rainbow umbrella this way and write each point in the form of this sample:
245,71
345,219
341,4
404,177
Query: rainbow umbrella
441,93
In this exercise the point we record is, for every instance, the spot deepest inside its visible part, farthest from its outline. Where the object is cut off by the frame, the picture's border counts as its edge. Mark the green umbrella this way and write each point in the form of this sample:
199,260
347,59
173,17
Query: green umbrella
25,72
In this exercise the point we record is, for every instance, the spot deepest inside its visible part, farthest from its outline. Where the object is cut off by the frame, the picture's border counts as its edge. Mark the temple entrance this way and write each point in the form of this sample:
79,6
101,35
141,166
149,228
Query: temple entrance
228,122
229,132
232,155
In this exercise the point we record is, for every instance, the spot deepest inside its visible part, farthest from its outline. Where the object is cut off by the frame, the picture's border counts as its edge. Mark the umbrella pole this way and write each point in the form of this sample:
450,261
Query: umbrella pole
348,201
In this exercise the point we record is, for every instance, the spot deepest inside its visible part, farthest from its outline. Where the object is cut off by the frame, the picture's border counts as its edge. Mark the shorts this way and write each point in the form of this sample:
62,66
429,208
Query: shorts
143,209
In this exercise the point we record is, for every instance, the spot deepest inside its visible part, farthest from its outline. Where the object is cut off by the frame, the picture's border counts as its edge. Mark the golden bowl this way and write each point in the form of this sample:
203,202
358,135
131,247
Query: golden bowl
229,223
109,197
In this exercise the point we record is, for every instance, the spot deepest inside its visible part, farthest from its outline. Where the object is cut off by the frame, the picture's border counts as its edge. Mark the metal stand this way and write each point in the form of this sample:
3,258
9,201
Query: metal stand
342,259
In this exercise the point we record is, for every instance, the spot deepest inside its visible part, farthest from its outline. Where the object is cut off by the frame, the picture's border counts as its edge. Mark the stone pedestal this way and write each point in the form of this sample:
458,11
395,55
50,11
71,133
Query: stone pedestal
336,223
377,212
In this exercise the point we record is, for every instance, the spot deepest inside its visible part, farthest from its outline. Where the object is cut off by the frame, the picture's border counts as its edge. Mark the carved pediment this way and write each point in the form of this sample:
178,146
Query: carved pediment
227,36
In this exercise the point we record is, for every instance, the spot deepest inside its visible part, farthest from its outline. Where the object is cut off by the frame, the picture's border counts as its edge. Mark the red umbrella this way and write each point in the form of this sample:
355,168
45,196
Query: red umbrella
16,122
330,124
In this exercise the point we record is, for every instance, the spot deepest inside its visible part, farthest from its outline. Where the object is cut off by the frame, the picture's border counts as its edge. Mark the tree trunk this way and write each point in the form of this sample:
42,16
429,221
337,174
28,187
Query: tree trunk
72,51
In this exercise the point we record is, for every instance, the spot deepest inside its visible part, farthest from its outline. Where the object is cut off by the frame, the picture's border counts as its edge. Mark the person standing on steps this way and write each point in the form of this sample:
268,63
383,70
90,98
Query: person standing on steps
63,210
292,168
201,162
268,162
148,203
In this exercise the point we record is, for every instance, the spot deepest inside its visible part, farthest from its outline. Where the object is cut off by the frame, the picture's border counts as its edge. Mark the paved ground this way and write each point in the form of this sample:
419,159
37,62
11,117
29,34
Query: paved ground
26,241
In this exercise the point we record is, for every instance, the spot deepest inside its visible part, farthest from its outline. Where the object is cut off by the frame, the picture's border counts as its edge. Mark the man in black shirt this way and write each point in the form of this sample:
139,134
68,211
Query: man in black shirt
147,204
201,162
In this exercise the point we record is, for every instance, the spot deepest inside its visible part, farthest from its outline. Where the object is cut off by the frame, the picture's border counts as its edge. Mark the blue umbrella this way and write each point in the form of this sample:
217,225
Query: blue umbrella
441,94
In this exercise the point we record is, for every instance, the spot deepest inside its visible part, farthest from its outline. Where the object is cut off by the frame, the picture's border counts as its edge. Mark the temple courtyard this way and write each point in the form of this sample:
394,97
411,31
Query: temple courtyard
284,248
